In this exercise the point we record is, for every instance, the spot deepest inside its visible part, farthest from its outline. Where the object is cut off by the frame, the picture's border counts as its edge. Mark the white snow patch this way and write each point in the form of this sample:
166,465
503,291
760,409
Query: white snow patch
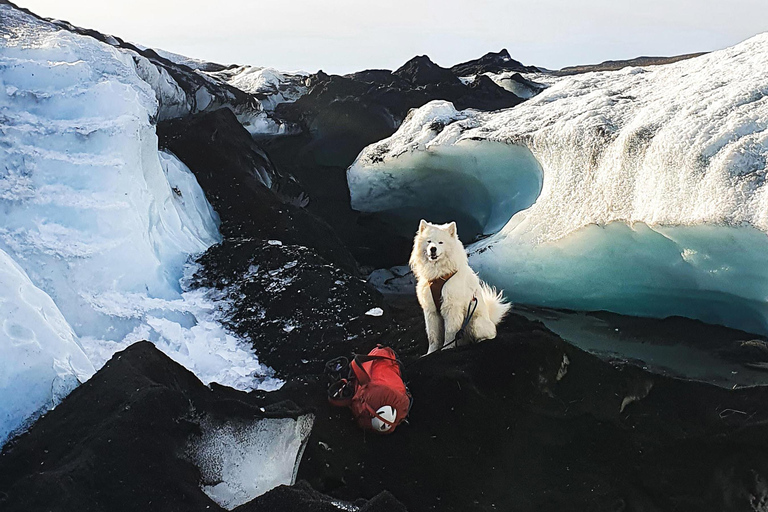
270,85
375,312
239,462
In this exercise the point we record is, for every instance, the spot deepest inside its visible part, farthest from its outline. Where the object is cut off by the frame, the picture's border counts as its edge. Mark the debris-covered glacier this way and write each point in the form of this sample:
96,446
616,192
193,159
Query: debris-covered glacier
653,200
101,223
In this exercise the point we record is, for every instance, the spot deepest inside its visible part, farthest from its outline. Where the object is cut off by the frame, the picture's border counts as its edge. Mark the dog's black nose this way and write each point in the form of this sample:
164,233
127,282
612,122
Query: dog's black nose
433,250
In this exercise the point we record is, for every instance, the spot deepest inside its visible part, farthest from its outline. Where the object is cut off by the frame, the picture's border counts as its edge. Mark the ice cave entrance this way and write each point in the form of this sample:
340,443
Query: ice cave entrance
478,184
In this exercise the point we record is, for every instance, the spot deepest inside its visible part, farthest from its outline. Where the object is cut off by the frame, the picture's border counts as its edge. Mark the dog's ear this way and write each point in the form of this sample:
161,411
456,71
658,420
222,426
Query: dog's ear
422,225
452,229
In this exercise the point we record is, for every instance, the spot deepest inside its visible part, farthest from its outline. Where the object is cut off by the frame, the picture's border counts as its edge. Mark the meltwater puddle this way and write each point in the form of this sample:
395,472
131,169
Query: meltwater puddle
677,347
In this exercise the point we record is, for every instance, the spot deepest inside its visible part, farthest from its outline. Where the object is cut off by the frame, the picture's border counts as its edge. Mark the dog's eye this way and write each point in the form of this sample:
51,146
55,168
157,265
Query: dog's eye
441,243
429,241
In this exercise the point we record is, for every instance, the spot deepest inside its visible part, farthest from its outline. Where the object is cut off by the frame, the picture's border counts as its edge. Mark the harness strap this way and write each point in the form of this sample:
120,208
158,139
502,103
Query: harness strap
460,333
436,287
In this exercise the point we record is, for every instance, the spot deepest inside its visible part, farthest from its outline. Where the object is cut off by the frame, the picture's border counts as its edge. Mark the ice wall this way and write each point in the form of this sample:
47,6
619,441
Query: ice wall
101,223
652,177
41,360
479,184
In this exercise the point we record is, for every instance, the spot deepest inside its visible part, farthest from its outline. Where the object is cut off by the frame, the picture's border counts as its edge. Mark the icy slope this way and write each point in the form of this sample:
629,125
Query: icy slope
271,86
41,360
97,218
480,184
653,201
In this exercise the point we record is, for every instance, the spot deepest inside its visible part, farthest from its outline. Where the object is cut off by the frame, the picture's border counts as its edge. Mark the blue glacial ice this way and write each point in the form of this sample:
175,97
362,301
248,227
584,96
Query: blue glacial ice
97,227
653,198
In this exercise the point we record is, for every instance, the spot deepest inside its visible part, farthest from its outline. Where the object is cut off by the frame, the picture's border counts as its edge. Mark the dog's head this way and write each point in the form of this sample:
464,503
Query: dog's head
436,242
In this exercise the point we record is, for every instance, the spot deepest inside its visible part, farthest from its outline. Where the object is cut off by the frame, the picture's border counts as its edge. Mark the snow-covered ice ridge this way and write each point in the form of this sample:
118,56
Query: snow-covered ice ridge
271,86
96,225
653,199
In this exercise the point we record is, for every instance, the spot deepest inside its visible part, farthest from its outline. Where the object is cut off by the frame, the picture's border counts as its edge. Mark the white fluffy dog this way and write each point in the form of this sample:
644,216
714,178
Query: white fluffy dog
446,285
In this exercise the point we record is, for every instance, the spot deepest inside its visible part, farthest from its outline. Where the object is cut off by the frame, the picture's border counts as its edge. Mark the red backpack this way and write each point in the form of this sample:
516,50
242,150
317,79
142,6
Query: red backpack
373,389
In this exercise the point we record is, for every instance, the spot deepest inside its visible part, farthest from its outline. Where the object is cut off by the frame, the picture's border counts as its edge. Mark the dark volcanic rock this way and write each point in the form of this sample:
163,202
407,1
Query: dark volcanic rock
301,497
528,422
491,63
116,443
380,77
614,65
342,115
486,92
252,199
422,71
120,442
297,309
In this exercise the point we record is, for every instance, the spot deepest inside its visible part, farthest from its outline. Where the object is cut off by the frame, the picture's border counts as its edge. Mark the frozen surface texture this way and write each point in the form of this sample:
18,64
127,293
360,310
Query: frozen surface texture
41,360
480,184
241,461
99,222
271,87
653,199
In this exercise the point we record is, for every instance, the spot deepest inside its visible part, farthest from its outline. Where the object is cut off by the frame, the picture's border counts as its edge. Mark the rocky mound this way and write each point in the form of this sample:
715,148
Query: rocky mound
251,197
421,70
341,115
115,443
297,309
492,62
615,65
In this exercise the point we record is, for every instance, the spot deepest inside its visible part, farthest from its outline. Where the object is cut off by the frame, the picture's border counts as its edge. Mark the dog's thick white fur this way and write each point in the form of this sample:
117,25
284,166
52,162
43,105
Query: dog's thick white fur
438,252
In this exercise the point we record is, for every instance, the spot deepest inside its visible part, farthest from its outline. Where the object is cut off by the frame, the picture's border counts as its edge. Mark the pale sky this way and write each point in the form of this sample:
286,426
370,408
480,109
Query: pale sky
340,36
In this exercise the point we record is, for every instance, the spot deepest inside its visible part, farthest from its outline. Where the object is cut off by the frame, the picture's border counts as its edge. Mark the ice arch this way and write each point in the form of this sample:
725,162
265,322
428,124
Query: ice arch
478,184
654,200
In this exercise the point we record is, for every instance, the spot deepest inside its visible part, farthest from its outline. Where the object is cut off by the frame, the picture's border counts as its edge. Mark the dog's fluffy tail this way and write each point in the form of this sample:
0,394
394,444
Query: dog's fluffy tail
498,307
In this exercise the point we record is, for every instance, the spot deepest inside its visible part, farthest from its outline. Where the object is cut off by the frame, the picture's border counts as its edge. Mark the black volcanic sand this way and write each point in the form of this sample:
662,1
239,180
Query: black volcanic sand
227,163
523,422
296,308
118,443
529,422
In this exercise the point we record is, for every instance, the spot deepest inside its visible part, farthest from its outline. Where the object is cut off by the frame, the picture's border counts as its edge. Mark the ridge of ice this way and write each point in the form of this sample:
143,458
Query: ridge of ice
100,224
679,149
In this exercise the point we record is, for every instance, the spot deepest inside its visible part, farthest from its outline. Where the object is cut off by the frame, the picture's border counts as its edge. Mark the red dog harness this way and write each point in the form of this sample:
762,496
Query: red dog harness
374,389
436,287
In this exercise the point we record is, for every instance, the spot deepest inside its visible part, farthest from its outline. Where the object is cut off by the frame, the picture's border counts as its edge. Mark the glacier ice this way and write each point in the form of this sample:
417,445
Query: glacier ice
271,86
654,199
100,221
479,184
239,461
523,85
41,359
